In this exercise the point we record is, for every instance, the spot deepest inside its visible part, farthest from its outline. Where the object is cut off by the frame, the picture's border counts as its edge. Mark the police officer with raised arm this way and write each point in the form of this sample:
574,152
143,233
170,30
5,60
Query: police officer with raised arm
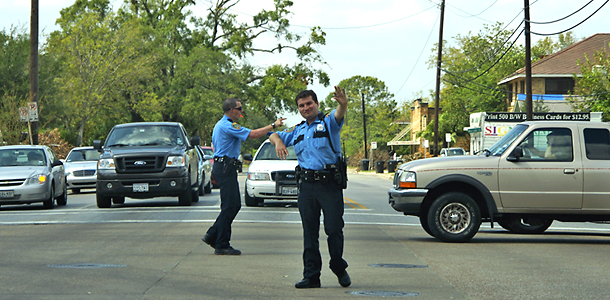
317,144
226,138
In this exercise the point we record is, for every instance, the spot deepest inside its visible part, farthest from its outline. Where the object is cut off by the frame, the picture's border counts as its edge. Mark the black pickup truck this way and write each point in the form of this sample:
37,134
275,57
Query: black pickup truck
147,160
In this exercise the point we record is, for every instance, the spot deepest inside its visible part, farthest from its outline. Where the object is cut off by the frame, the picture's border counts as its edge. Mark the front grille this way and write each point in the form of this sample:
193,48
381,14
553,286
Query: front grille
140,164
83,173
285,177
12,182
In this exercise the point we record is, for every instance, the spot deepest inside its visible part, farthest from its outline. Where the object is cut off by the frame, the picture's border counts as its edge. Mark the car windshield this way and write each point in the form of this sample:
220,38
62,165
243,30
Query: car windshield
21,157
267,152
83,155
145,135
208,151
454,152
500,146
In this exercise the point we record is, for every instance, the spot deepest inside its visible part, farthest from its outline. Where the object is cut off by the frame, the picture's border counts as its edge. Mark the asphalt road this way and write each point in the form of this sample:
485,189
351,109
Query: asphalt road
151,249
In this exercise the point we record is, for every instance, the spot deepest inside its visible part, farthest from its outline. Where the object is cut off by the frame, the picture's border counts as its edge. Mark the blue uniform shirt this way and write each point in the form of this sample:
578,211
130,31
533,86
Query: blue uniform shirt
310,142
227,137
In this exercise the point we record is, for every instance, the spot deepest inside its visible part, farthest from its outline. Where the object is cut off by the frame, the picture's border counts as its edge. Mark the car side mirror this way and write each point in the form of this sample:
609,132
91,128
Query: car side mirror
248,157
56,163
195,141
97,145
516,154
208,157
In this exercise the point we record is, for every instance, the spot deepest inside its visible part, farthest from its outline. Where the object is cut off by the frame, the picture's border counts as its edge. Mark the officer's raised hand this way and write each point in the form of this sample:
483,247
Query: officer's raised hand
341,98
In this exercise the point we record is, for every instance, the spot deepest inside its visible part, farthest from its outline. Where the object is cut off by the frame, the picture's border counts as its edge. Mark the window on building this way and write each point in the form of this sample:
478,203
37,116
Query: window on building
559,86
522,87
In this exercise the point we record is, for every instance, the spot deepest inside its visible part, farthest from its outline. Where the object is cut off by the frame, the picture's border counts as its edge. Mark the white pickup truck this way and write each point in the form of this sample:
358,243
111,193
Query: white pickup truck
538,172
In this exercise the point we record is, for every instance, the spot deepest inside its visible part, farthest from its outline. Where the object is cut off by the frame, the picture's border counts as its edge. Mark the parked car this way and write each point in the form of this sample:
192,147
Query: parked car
540,171
270,177
452,151
30,174
210,151
205,172
81,168
147,160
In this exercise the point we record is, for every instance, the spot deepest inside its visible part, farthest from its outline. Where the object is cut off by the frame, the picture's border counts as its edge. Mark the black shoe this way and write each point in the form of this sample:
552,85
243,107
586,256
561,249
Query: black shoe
210,240
344,279
227,251
307,283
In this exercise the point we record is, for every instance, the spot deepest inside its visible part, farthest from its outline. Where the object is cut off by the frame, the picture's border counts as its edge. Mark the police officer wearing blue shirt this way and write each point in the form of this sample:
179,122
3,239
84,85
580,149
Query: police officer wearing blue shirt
226,138
318,191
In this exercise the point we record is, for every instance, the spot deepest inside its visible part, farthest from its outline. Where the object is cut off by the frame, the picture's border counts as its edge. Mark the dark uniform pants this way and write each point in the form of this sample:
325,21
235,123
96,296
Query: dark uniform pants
230,204
328,198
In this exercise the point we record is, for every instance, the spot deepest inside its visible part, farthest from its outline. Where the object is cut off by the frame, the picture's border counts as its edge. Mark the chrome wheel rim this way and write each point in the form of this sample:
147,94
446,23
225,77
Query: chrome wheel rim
455,218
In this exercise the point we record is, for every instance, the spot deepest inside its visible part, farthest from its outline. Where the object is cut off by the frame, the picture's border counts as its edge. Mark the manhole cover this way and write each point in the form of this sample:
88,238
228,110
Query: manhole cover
86,266
383,293
397,266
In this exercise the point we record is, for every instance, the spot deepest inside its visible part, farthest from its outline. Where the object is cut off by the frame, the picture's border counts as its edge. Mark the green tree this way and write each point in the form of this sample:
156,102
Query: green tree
102,62
594,84
380,107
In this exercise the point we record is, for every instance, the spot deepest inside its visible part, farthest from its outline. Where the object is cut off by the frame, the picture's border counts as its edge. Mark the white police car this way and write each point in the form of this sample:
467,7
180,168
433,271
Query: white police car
270,177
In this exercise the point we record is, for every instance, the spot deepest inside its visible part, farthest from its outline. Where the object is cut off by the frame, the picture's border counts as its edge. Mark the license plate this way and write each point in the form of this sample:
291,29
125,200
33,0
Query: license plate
7,194
140,187
289,190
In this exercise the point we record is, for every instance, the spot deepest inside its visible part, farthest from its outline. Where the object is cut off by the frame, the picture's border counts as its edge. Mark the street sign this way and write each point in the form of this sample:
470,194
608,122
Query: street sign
33,111
448,137
373,145
23,114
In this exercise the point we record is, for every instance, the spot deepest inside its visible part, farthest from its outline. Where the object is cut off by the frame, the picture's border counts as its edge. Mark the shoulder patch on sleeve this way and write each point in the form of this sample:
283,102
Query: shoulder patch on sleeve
235,125
327,115
291,129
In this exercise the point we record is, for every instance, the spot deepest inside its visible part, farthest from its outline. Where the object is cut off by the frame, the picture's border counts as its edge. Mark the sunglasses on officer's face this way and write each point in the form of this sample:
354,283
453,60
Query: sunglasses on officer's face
238,108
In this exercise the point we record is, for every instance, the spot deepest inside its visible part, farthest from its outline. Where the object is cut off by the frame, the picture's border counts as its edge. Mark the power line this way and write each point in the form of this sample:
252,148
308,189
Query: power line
420,54
556,33
561,19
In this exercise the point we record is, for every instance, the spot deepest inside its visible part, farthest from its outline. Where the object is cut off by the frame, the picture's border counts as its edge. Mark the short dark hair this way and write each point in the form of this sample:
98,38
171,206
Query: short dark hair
305,94
229,103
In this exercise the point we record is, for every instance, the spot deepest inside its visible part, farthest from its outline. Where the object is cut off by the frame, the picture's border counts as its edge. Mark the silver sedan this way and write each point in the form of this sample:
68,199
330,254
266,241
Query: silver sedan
30,174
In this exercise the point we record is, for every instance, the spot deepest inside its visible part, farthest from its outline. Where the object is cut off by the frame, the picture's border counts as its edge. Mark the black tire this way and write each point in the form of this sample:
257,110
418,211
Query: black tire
195,195
103,201
529,225
423,220
201,187
75,191
454,217
186,198
252,201
208,188
118,200
62,200
48,204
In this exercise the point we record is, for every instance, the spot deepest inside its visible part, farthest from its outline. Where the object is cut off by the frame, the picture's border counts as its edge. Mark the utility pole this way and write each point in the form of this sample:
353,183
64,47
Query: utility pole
34,67
438,78
528,63
366,155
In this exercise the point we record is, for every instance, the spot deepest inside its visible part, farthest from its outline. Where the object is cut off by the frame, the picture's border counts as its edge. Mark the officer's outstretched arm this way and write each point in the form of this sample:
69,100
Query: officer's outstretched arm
341,98
280,148
256,133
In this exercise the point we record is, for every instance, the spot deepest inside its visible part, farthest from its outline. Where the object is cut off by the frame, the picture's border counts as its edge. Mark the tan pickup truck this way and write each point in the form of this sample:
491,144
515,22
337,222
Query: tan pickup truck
538,172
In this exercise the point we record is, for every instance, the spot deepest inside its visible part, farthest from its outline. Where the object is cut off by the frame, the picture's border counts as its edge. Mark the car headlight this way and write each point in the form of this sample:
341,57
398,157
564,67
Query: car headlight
176,161
105,164
407,180
37,179
258,176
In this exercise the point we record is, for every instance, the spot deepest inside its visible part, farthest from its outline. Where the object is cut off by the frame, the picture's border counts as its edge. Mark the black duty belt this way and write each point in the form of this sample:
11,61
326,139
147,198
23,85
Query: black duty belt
313,176
224,159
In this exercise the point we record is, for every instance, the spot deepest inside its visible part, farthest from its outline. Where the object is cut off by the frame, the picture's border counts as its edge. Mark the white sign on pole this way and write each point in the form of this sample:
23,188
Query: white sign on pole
426,144
23,114
448,137
373,145
33,108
